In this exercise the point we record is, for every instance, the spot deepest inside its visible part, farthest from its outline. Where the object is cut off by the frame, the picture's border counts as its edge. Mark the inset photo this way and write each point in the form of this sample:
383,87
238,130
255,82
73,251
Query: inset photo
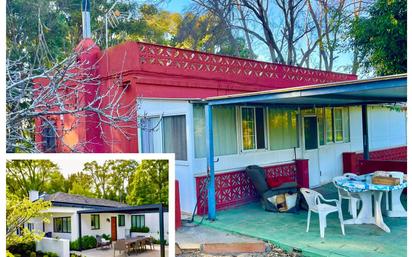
72,207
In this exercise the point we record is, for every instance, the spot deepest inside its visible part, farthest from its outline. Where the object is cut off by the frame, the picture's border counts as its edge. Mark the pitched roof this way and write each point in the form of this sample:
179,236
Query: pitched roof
66,198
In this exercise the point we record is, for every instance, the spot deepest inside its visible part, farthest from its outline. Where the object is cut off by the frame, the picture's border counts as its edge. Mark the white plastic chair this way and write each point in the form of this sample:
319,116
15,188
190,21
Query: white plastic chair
353,198
313,199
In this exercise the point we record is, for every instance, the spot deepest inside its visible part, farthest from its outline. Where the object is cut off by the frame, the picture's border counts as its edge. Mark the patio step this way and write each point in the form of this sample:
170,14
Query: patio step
224,248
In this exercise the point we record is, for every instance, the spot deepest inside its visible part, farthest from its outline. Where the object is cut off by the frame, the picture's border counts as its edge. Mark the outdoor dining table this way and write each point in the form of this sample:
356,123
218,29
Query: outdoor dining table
135,240
363,186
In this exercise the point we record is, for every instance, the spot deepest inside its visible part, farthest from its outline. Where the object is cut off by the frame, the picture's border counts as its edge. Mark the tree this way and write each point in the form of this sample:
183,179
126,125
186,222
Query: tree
150,183
18,212
122,174
22,176
381,37
79,184
66,91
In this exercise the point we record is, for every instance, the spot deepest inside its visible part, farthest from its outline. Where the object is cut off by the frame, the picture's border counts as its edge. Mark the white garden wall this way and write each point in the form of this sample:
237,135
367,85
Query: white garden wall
59,246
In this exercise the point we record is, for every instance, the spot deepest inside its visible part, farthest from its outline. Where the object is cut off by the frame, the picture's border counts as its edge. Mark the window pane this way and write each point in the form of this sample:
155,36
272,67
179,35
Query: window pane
174,136
224,130
69,225
338,125
150,128
248,128
321,125
329,125
283,132
199,130
260,128
49,136
346,125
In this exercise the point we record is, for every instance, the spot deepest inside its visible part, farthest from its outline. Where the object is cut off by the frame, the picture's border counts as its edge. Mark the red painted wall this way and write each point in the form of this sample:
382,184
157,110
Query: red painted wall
235,188
166,72
351,160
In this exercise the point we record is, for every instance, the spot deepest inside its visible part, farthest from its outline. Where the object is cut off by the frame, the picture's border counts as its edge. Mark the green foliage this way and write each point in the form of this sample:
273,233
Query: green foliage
23,176
33,254
88,242
20,211
22,248
381,37
107,237
141,230
150,183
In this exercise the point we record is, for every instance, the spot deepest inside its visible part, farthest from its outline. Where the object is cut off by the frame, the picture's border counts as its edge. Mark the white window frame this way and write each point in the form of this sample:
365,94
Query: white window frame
334,125
242,150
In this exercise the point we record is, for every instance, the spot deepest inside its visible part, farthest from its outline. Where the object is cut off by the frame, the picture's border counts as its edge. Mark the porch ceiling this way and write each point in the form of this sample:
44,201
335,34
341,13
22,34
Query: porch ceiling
388,89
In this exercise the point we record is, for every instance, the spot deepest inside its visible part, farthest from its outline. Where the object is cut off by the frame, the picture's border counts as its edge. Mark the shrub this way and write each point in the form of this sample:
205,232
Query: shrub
107,237
23,249
88,242
142,229
33,254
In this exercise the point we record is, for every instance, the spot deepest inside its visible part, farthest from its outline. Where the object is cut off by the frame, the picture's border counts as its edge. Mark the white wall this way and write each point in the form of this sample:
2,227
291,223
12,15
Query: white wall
184,169
59,246
386,129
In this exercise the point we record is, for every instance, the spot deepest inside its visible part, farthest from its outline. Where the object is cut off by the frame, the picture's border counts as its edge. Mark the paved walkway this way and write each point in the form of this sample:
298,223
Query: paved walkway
109,253
288,231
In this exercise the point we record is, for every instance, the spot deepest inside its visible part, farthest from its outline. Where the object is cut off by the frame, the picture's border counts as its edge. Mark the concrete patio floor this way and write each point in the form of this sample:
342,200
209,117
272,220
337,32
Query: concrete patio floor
108,252
288,231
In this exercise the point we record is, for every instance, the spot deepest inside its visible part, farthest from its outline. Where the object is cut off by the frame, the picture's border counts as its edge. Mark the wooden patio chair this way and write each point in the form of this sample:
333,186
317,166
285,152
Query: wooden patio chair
121,246
149,241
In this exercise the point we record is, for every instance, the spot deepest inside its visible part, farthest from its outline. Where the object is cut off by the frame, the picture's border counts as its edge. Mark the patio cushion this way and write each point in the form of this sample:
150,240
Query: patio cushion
278,181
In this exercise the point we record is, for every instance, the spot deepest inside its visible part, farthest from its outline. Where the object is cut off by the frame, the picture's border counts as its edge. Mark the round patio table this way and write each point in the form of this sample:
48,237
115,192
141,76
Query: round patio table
363,186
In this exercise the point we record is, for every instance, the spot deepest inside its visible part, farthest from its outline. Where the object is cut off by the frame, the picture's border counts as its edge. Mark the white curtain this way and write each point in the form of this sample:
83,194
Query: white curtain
283,128
174,136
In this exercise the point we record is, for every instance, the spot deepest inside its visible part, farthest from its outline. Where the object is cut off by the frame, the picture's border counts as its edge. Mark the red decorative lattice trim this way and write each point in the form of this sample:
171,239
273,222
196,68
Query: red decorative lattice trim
187,62
235,188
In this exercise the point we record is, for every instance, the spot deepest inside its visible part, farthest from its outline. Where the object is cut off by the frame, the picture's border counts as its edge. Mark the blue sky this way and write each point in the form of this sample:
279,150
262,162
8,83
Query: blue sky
176,5
260,49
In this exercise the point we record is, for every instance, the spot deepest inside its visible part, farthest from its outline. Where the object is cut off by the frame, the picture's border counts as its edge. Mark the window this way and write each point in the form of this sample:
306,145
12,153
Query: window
346,125
253,128
224,130
30,226
329,125
138,221
121,220
333,125
174,136
49,136
338,124
62,225
199,126
95,221
320,113
150,128
283,128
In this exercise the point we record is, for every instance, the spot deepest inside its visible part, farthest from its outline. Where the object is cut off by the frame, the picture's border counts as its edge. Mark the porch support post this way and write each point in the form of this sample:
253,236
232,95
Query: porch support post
365,132
161,231
210,164
80,231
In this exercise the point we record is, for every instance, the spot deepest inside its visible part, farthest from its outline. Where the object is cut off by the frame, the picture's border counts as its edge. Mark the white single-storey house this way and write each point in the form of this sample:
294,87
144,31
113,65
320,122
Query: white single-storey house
273,129
72,216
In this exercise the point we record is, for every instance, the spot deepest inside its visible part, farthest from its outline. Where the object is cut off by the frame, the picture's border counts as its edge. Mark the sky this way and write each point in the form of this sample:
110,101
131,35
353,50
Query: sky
69,166
260,49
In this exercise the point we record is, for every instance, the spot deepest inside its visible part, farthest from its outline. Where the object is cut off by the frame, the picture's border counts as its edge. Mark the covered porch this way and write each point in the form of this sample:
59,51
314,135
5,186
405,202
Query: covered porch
142,209
383,90
288,230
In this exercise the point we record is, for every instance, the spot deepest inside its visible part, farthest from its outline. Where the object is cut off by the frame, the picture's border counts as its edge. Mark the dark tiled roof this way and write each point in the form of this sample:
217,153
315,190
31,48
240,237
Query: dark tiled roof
82,200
